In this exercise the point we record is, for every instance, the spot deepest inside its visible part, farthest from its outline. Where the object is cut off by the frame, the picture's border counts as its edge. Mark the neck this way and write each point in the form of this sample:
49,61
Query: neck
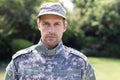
49,51
49,46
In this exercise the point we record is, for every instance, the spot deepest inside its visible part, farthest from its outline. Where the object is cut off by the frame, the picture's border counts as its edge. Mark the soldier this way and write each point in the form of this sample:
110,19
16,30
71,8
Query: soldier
50,59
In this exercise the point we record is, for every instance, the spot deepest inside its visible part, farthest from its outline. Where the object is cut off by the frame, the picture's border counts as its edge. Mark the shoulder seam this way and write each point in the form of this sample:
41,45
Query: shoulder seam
81,55
21,52
70,50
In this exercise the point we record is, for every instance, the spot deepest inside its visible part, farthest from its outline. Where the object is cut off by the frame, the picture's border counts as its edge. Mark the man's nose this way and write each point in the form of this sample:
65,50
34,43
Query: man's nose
51,29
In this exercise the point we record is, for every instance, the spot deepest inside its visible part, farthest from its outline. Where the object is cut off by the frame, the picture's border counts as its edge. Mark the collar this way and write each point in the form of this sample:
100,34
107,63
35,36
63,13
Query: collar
58,50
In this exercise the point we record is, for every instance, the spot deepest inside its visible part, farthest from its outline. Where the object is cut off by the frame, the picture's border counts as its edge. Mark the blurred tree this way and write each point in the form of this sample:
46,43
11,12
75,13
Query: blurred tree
97,21
17,22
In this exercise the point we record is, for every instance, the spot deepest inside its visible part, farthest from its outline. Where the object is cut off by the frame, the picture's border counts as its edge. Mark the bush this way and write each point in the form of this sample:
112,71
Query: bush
18,44
94,53
98,23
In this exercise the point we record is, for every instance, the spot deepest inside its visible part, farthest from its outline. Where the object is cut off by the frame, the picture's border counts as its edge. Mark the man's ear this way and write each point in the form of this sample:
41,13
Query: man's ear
65,26
38,23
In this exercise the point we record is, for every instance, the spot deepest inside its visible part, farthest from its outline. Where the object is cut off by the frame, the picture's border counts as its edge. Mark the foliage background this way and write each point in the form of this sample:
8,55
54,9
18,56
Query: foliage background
93,27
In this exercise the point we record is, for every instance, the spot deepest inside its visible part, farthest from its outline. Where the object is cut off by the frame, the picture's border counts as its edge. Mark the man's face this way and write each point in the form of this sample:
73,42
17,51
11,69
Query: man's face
52,28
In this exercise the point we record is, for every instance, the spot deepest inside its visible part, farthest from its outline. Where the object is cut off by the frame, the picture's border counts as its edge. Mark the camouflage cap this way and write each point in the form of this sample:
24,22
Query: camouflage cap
52,8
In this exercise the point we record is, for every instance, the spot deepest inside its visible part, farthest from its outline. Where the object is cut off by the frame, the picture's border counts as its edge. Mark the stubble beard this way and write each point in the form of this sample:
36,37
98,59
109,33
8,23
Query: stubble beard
51,42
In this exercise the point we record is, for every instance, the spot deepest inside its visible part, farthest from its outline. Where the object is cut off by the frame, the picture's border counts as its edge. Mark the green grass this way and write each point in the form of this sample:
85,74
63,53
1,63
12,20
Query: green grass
1,75
105,68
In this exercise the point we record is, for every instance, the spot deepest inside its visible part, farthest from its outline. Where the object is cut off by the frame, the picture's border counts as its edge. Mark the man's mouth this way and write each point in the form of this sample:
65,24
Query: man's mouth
51,36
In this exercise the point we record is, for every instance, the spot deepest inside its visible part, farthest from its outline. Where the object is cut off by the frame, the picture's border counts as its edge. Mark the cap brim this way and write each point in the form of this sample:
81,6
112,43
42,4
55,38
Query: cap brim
54,13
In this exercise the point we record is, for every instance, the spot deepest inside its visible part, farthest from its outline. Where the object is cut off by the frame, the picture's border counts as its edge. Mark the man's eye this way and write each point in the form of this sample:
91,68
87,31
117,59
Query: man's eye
45,24
57,24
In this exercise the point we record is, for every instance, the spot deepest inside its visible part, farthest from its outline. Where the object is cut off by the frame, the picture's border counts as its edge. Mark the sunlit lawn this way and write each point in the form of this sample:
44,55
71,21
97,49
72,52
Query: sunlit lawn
105,69
1,75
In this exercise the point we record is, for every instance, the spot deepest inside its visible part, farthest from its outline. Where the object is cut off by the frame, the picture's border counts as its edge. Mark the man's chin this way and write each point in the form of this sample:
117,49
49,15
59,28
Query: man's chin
51,43
51,40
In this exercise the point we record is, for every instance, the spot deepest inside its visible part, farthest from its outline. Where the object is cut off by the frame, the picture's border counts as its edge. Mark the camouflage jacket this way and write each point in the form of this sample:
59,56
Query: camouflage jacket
39,63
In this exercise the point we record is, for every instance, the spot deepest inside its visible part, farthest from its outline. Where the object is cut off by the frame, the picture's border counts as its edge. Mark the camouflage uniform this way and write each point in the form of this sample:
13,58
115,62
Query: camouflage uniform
39,63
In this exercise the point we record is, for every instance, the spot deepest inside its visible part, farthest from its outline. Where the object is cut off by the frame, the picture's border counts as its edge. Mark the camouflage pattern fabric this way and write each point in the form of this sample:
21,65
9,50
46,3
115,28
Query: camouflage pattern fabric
39,63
